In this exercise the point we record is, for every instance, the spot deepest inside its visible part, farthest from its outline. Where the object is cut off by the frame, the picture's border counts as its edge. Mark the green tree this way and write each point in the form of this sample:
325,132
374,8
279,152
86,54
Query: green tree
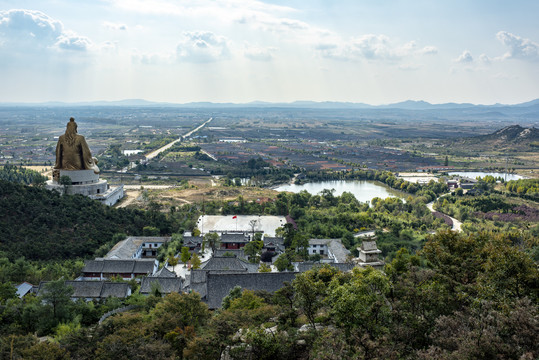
309,294
300,243
150,231
185,255
507,272
283,261
46,351
195,261
234,293
7,291
264,268
211,240
178,311
252,249
284,298
362,302
66,182
247,301
58,295
172,261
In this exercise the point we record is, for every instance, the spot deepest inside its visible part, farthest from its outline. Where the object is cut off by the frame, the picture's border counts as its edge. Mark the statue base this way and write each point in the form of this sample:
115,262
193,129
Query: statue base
87,183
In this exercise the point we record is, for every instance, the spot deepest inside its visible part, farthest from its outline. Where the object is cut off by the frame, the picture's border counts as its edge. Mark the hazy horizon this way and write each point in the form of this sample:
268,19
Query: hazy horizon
251,103
481,52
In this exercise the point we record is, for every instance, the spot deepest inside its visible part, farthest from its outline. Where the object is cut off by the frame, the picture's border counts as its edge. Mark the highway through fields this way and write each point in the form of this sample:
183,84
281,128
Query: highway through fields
169,145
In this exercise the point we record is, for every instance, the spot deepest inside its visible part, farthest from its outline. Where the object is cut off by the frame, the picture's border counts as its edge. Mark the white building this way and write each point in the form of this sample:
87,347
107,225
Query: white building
332,249
137,247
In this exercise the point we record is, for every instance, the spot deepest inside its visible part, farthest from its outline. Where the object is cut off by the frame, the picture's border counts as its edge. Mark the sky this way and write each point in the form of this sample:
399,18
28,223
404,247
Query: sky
375,52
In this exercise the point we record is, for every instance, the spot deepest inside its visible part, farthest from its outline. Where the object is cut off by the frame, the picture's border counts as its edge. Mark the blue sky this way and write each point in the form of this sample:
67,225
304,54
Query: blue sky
376,52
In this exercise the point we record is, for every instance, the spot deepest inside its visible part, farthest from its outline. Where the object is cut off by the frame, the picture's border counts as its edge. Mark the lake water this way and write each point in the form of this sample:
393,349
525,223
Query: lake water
474,174
363,190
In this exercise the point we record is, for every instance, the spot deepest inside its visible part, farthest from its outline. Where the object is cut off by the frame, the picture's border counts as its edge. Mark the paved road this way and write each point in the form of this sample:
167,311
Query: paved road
456,224
169,145
137,187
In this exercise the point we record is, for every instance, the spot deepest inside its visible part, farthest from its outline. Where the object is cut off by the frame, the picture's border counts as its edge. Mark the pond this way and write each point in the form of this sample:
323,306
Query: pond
363,190
474,174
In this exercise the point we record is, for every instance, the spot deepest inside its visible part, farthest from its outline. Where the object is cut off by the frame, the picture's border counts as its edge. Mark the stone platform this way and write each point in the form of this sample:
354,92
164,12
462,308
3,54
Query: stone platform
87,183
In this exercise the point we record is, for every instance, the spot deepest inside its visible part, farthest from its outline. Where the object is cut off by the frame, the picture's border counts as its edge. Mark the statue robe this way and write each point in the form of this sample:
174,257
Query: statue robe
74,157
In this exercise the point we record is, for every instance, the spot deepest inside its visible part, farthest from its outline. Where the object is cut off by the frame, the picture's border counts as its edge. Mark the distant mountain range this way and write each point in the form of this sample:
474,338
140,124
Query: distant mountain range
405,105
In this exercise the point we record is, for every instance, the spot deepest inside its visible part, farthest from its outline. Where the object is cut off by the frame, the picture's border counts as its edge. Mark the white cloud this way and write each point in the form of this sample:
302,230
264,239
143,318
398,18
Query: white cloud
202,46
28,31
19,26
465,58
369,47
485,59
258,53
519,48
114,26
428,50
138,57
71,41
374,47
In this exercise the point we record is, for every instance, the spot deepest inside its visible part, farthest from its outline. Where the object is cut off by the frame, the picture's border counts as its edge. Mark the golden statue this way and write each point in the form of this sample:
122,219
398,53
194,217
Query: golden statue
72,152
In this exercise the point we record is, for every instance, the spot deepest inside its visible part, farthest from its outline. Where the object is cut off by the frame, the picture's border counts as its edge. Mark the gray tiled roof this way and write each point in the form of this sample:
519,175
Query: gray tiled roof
94,289
115,289
114,266
125,249
338,250
86,289
199,288
225,263
118,266
276,242
164,272
143,266
166,284
192,240
273,240
252,268
226,238
308,265
369,245
93,266
198,276
152,239
239,253
319,241
219,285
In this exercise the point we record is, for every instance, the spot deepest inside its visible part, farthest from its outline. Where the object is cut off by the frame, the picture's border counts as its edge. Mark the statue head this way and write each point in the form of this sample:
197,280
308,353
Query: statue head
71,131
